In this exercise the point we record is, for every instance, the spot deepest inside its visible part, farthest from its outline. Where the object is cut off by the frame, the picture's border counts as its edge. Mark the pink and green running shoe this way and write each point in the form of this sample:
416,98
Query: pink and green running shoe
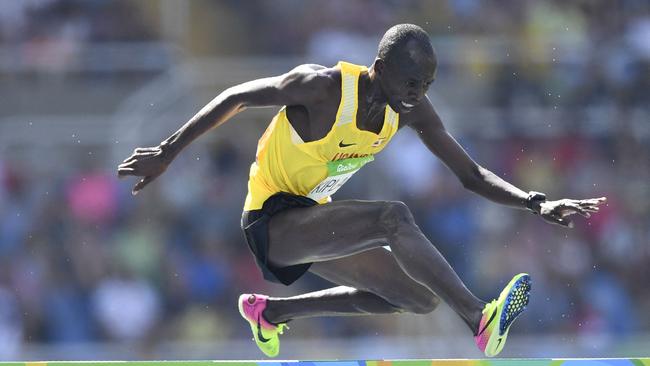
265,334
499,314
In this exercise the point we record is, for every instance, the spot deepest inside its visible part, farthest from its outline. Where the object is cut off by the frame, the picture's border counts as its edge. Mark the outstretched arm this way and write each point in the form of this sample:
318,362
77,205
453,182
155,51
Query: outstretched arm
426,122
297,87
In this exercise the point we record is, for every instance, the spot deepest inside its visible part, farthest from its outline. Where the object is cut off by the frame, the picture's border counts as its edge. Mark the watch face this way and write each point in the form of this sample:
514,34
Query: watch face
536,196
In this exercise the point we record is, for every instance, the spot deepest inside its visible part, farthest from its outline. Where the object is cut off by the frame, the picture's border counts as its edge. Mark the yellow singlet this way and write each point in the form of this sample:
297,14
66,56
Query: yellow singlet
316,169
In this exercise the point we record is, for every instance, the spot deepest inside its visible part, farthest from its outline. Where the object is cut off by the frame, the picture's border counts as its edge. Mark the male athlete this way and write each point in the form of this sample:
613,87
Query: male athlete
333,121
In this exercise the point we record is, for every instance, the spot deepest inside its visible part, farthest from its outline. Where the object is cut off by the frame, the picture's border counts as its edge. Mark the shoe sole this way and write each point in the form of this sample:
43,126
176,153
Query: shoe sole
517,299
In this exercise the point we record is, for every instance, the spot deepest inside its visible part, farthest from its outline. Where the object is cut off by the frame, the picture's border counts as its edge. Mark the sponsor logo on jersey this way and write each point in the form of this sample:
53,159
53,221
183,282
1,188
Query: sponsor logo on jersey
340,156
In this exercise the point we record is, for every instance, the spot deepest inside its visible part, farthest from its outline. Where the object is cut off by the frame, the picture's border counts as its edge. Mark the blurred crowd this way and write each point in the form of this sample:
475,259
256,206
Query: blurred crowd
82,260
52,35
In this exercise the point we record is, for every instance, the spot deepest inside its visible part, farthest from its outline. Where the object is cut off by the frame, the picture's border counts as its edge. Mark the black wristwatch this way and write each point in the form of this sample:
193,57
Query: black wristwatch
533,199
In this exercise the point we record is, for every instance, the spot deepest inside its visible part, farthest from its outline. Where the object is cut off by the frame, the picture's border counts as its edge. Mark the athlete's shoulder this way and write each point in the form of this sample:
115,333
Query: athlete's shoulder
317,81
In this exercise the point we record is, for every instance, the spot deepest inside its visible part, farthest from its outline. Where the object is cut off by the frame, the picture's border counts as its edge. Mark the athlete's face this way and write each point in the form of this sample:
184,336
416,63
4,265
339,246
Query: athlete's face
405,80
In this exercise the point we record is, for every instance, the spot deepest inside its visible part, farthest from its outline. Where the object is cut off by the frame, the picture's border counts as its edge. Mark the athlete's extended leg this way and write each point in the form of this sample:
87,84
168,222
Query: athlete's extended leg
373,283
339,229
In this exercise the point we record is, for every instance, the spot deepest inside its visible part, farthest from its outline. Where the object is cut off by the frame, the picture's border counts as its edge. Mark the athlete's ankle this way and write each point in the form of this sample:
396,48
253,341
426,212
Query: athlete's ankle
270,315
474,320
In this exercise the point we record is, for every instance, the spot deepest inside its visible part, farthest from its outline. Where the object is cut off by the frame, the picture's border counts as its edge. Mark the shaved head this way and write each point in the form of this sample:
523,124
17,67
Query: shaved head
405,40
405,66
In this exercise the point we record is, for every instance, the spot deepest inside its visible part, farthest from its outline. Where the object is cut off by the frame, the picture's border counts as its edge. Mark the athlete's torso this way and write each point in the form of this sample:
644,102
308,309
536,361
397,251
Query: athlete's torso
316,169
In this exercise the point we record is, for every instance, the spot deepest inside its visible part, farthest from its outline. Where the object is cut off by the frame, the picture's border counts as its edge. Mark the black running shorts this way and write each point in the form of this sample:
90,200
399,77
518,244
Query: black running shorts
255,224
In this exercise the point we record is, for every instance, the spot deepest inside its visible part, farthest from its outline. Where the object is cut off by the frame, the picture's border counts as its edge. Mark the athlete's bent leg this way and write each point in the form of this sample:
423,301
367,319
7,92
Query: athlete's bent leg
335,301
373,283
340,229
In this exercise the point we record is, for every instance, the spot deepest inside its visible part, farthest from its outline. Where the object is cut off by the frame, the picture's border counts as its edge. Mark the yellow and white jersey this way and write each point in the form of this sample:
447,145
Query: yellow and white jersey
316,169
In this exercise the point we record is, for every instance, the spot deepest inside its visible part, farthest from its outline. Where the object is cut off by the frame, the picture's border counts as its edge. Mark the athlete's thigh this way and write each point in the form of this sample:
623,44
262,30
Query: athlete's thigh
325,232
377,271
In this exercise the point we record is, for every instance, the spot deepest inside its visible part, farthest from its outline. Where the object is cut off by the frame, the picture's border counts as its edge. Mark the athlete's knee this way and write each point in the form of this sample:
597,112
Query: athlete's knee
425,304
394,215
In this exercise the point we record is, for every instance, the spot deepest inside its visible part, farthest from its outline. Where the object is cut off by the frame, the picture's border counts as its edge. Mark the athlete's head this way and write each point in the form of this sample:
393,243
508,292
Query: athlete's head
405,66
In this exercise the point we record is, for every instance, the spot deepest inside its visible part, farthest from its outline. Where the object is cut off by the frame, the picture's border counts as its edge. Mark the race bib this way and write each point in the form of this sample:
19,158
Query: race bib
338,172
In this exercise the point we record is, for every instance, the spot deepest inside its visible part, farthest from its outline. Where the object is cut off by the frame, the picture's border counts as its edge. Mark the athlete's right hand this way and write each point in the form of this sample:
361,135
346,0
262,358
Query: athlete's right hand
145,162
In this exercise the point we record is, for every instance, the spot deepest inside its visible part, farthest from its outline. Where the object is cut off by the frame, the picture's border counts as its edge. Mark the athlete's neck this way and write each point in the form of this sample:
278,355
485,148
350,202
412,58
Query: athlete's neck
374,97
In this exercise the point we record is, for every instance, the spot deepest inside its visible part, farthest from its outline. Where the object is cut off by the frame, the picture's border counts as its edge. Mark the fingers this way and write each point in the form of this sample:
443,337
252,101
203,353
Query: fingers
123,172
145,150
142,183
585,207
128,166
137,155
126,169
593,202
133,166
590,208
140,152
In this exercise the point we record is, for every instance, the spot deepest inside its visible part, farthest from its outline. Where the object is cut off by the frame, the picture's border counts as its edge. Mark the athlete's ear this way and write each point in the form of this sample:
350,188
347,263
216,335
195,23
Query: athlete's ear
379,66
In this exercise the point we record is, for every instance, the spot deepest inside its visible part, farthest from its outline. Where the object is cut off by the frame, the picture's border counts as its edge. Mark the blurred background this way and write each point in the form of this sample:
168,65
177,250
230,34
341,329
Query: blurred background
551,95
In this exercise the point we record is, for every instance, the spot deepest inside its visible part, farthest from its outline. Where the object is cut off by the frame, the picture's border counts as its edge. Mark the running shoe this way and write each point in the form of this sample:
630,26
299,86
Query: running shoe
499,314
265,334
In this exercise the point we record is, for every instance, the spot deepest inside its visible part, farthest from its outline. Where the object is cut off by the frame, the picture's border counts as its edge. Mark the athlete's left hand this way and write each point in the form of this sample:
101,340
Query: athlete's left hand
558,212
146,162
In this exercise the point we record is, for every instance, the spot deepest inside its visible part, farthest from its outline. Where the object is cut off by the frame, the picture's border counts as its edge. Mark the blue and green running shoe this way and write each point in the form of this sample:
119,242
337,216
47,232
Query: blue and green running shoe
499,315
